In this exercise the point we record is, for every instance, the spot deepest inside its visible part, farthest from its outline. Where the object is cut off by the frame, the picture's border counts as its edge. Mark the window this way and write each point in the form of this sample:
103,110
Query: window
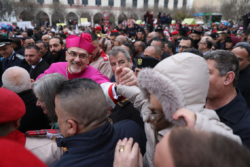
111,2
85,2
175,3
55,1
70,2
156,3
165,3
135,3
98,2
145,3
184,3
40,1
123,3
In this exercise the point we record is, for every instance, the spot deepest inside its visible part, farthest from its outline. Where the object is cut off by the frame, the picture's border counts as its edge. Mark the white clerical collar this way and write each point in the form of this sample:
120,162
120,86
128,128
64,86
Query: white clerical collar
34,66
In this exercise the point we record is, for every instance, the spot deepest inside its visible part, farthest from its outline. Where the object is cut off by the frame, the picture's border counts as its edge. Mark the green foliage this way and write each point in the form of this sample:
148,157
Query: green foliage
181,15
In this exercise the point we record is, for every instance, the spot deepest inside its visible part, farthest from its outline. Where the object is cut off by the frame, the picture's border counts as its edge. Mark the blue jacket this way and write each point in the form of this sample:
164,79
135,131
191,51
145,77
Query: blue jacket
236,115
96,148
164,19
16,60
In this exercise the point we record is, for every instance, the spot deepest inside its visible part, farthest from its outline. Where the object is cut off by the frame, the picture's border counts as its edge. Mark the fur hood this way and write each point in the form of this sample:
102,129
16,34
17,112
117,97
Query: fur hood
178,81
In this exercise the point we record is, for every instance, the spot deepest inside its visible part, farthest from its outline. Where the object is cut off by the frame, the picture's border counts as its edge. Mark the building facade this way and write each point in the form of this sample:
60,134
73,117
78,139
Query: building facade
65,11
213,3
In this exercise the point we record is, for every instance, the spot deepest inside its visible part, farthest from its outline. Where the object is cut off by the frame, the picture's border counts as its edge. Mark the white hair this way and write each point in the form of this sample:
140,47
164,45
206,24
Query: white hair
16,79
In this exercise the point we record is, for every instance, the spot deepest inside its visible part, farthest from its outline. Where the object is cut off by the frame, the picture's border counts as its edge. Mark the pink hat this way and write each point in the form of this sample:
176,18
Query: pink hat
84,42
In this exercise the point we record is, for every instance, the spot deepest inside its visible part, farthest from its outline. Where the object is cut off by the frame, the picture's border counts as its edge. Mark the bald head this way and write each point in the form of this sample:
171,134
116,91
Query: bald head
16,79
119,40
205,44
45,38
153,51
151,36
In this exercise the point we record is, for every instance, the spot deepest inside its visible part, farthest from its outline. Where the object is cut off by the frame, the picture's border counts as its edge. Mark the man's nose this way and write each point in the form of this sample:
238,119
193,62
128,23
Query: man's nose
77,59
37,103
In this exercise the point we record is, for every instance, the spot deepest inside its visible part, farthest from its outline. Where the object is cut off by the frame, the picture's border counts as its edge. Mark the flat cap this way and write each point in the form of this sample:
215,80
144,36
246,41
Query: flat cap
4,41
182,32
143,62
140,29
214,35
196,32
159,28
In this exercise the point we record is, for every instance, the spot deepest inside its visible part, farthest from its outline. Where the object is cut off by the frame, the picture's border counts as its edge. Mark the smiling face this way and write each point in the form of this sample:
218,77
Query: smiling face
154,103
6,51
76,64
41,104
119,60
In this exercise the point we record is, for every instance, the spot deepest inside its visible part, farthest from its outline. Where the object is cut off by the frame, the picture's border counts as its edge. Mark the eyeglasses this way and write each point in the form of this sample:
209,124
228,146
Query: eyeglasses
183,47
201,43
81,55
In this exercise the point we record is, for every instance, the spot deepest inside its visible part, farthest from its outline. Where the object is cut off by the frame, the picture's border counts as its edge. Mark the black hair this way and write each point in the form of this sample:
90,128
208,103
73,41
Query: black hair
94,37
188,38
31,46
53,33
44,44
60,40
29,38
171,45
194,51
244,46
131,48
209,43
62,36
159,40
16,41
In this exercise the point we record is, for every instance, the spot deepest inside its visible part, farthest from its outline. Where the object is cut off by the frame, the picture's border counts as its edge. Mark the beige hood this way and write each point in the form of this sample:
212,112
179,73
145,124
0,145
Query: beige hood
178,81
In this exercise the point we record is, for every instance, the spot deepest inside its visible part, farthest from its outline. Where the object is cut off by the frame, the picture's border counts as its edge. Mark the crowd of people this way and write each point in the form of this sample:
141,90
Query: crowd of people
126,95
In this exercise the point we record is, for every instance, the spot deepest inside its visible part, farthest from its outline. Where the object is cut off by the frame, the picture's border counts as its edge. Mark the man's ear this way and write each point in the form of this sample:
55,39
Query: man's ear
16,123
66,55
40,55
248,61
32,80
229,78
63,46
158,57
71,127
171,50
205,46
